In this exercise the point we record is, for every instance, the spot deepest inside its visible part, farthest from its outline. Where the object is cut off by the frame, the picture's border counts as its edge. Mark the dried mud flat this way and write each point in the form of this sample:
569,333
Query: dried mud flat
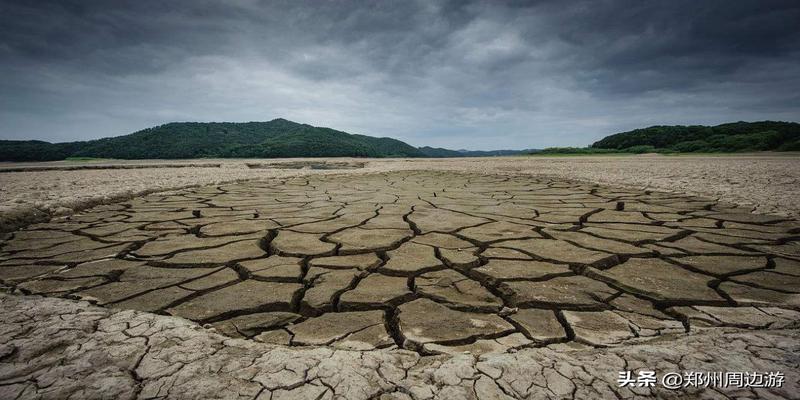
34,192
402,284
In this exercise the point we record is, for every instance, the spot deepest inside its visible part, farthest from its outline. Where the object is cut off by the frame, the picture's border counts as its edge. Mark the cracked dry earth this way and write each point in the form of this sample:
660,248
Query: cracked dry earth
398,285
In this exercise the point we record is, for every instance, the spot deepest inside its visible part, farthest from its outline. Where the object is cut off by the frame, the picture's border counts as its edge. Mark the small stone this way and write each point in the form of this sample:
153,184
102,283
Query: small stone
506,311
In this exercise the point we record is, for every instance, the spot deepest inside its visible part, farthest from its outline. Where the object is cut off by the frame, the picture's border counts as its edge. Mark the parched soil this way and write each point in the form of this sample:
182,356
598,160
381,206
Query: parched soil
61,349
409,266
365,261
34,192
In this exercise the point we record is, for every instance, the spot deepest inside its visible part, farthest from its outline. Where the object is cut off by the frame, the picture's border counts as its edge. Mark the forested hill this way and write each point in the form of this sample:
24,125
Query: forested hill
736,136
273,139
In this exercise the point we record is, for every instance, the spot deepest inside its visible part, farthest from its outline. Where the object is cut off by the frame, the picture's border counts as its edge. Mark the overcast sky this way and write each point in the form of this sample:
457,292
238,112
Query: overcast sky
474,75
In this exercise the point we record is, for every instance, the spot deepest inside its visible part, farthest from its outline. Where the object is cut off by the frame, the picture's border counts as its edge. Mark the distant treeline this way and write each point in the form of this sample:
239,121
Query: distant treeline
280,138
725,138
440,152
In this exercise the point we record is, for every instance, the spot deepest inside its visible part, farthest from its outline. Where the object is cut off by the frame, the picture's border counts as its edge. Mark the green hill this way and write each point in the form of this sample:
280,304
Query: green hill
732,137
274,139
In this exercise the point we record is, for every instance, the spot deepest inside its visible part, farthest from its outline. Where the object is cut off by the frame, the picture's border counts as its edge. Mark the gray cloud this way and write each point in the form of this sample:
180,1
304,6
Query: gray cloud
457,74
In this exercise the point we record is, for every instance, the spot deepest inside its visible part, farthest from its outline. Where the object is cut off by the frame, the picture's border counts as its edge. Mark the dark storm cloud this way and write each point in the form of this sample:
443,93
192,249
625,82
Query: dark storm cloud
456,74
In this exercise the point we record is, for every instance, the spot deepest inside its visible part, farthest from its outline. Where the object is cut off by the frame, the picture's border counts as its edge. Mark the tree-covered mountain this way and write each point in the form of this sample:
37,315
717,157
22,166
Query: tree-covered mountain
736,136
273,139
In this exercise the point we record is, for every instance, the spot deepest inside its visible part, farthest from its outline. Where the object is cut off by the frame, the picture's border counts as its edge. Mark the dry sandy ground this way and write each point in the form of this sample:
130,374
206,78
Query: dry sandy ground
765,182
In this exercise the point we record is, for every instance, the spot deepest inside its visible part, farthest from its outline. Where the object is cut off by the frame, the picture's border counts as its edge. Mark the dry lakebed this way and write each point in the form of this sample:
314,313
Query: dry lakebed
398,279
